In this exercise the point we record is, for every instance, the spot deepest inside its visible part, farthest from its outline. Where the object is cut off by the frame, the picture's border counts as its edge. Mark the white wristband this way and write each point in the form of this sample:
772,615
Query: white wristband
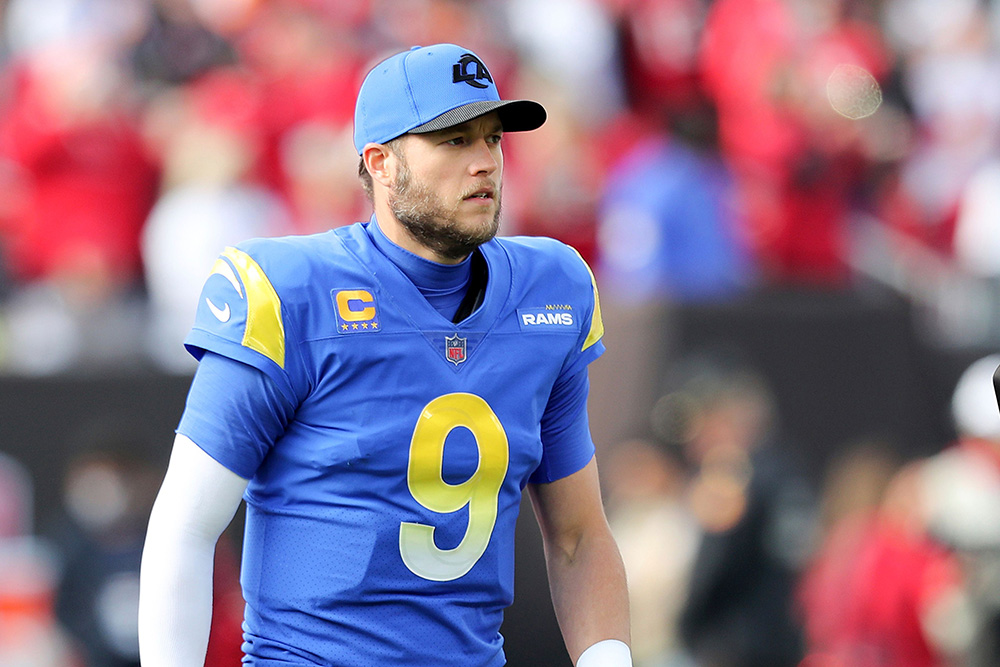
607,653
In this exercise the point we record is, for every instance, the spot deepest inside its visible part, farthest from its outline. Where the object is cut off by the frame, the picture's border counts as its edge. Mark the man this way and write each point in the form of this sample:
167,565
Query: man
754,510
380,394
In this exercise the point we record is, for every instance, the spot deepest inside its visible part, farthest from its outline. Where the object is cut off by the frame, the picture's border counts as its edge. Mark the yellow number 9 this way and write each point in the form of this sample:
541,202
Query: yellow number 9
428,487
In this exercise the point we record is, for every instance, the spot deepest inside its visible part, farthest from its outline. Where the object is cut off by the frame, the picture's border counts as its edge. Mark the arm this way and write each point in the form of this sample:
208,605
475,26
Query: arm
197,501
586,574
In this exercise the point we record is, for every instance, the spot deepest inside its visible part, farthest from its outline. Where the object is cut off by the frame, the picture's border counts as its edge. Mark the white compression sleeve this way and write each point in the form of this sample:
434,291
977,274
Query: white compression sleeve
197,501
607,653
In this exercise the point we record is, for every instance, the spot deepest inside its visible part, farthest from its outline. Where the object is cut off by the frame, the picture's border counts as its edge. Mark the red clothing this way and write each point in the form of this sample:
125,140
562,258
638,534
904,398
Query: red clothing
660,54
225,641
306,68
795,163
86,188
864,597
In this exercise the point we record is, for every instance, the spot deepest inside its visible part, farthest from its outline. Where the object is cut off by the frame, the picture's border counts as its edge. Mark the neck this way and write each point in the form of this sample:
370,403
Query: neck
398,234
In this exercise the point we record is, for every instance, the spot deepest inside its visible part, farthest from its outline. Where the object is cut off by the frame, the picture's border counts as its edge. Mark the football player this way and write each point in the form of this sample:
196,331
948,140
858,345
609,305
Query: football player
380,395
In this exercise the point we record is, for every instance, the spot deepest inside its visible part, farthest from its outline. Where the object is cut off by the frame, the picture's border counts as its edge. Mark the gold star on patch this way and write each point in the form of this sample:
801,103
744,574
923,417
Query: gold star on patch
374,325
344,327
364,325
354,326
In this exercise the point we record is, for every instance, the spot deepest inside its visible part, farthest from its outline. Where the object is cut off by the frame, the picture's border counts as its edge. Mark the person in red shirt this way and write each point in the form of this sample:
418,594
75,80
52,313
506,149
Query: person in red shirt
765,64
85,180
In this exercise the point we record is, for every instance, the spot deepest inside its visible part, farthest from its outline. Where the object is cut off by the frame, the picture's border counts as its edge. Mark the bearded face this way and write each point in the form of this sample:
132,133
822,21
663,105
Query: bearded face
442,224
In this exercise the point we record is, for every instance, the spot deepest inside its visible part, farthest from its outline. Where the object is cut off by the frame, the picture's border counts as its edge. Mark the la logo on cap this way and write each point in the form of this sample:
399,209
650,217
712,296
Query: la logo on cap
460,71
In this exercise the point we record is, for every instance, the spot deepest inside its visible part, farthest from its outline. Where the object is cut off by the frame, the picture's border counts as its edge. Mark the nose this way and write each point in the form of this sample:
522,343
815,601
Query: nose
486,158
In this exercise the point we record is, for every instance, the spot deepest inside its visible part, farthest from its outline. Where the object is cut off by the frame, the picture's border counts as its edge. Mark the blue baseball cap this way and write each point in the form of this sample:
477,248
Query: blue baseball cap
430,88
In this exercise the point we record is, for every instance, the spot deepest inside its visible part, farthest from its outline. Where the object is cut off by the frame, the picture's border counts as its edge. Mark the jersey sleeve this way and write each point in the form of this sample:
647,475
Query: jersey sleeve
590,345
567,445
234,412
240,315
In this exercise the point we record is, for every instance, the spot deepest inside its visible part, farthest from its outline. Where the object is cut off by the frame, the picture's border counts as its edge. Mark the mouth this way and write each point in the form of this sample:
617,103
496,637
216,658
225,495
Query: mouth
484,195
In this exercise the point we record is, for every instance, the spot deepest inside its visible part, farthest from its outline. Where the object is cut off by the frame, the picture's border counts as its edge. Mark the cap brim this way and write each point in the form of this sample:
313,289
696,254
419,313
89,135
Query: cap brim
515,116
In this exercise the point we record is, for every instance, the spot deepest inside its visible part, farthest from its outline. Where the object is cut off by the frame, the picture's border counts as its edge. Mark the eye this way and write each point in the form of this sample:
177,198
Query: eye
456,141
494,138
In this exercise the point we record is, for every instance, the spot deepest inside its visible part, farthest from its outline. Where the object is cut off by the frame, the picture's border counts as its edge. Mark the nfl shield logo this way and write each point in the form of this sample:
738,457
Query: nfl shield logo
454,349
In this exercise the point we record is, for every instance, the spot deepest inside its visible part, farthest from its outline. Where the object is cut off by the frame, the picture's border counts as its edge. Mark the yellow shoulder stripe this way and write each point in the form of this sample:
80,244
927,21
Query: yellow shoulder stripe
265,330
596,323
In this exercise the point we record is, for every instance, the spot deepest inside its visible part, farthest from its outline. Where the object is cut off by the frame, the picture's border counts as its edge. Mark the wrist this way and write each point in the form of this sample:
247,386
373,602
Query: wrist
607,653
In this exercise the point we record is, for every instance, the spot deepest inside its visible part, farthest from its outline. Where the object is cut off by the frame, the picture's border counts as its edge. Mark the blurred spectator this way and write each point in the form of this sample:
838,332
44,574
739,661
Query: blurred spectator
977,233
262,149
81,75
909,578
573,44
29,633
657,537
83,178
960,504
320,165
754,510
30,636
950,66
669,226
210,138
176,46
766,65
482,24
878,585
78,184
553,178
306,62
106,499
107,494
30,26
659,41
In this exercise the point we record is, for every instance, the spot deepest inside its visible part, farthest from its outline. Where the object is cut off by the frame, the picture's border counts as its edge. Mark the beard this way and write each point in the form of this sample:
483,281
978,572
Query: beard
433,224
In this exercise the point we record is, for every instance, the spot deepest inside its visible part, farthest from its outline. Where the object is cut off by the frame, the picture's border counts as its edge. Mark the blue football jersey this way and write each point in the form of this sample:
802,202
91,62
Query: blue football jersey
380,524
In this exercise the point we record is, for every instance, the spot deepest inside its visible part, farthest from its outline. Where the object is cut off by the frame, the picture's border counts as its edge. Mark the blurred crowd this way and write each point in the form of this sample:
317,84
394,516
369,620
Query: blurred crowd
69,580
736,559
696,151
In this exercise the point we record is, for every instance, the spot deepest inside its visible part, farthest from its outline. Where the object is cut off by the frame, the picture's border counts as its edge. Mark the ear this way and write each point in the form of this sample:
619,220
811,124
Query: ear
380,162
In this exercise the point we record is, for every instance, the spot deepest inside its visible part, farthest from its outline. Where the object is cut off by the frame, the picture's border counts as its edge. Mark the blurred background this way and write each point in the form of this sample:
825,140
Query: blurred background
793,211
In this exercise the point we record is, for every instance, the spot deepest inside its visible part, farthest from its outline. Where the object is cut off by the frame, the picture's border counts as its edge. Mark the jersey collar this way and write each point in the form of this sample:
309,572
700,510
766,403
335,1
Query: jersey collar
398,288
